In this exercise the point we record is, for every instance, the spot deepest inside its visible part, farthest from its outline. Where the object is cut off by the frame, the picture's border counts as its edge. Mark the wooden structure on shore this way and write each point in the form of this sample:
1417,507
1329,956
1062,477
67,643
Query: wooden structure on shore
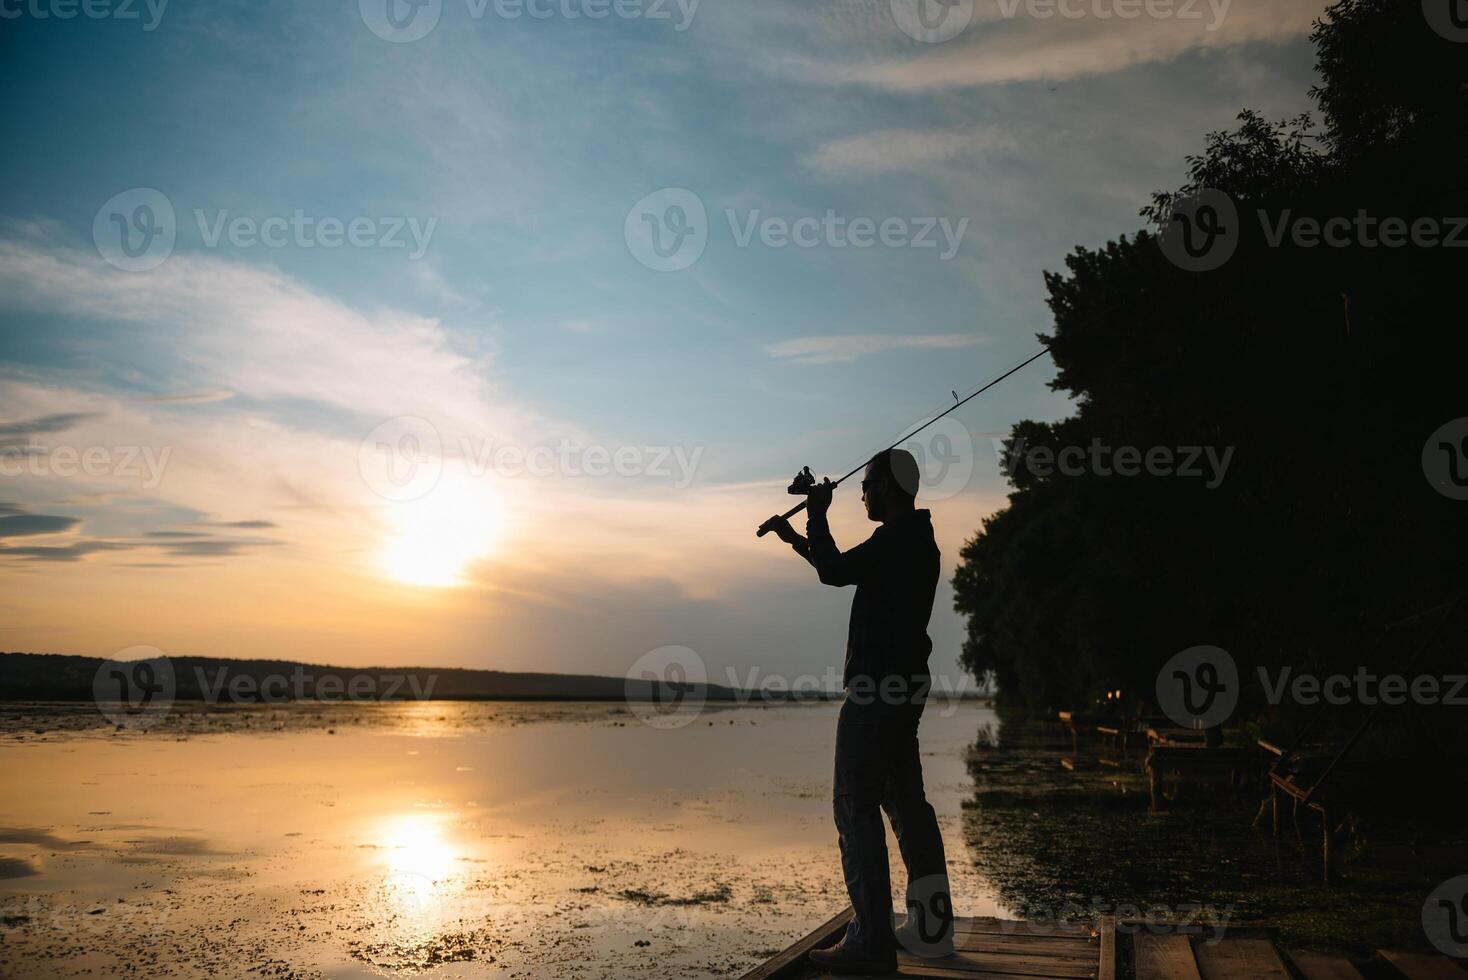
1006,949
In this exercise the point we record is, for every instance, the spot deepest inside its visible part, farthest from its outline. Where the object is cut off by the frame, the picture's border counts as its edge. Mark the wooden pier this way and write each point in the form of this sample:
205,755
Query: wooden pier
1007,949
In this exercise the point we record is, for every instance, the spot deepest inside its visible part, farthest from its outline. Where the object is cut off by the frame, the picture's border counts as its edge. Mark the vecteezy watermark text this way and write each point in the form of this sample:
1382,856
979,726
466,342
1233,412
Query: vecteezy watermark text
1364,687
136,687
668,230
402,459
1180,10
1188,462
306,231
224,685
91,9
404,21
143,463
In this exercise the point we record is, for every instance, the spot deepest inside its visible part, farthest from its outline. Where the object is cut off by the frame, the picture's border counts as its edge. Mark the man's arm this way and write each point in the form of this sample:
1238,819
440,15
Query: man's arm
789,535
834,566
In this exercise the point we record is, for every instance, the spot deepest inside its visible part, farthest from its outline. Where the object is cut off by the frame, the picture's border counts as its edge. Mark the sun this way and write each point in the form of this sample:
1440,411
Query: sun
432,540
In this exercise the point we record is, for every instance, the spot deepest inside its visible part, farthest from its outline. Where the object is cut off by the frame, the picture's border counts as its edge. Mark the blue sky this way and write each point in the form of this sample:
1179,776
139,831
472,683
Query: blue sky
520,145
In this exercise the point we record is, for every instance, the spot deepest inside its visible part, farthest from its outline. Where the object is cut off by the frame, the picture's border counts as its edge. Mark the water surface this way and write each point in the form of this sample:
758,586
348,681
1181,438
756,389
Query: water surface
435,839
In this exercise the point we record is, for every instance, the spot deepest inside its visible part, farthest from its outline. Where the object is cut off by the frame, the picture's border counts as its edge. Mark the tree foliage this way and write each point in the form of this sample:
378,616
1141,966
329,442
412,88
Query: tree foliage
1324,368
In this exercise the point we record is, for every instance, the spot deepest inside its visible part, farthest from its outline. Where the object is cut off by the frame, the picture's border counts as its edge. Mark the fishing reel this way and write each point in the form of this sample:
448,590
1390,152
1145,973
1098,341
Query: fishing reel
803,484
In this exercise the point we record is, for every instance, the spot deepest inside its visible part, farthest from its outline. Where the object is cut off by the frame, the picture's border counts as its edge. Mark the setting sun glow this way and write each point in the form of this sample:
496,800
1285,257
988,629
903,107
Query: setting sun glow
432,540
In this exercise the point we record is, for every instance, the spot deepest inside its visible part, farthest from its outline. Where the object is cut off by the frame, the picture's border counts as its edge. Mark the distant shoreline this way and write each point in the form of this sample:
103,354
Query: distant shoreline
65,678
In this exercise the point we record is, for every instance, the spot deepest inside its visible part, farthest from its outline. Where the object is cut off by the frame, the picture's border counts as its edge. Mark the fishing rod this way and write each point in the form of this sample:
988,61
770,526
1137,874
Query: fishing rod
805,481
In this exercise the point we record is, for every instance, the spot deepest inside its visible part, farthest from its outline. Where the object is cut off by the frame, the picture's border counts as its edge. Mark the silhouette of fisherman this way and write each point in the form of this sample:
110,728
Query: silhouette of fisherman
878,768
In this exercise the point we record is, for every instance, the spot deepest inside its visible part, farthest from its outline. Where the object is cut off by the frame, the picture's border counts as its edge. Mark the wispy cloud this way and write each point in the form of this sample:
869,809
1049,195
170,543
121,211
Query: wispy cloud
900,150
998,49
56,422
848,347
191,398
25,525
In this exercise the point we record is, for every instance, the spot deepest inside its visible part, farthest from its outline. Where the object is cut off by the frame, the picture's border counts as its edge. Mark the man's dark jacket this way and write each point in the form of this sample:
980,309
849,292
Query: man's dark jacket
895,572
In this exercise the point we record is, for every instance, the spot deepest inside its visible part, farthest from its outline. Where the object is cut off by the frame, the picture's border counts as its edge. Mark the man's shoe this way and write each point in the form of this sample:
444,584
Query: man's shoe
846,960
910,938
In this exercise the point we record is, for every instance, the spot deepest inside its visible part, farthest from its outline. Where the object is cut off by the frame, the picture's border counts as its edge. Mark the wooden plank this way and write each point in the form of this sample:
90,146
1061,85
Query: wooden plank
1107,967
988,949
1165,957
1015,927
936,970
1240,959
978,942
1423,966
964,964
792,961
1322,966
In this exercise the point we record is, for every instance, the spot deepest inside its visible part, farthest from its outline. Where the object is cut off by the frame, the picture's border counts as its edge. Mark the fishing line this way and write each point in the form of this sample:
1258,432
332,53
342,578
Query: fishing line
957,404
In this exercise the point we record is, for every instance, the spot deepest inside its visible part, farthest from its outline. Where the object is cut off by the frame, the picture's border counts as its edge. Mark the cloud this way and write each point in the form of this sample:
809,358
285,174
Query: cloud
169,544
257,332
214,548
848,347
58,422
244,525
191,397
24,525
900,150
75,551
998,49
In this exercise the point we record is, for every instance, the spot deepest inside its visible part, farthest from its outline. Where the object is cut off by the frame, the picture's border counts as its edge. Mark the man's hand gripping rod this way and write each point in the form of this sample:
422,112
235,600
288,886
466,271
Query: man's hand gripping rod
804,480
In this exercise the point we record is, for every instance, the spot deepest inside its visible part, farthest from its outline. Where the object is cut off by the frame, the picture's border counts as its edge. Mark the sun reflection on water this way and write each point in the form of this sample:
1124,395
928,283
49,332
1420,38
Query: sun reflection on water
416,846
419,868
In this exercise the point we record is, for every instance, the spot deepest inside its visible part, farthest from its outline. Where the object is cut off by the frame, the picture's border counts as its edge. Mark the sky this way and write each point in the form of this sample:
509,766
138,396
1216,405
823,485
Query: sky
485,332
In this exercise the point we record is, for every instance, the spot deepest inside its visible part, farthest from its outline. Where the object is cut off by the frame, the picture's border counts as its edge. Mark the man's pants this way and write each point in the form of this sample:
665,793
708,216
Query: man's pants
878,768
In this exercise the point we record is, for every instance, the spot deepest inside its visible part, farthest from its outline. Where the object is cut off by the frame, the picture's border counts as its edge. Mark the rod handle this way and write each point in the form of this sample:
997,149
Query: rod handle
766,526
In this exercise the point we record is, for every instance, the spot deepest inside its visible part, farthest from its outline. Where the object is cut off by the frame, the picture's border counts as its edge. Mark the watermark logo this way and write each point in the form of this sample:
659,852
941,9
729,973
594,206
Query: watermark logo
932,21
135,230
1445,916
400,21
1445,459
1202,232
945,457
667,230
1199,687
667,687
401,459
134,688
1448,17
928,930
